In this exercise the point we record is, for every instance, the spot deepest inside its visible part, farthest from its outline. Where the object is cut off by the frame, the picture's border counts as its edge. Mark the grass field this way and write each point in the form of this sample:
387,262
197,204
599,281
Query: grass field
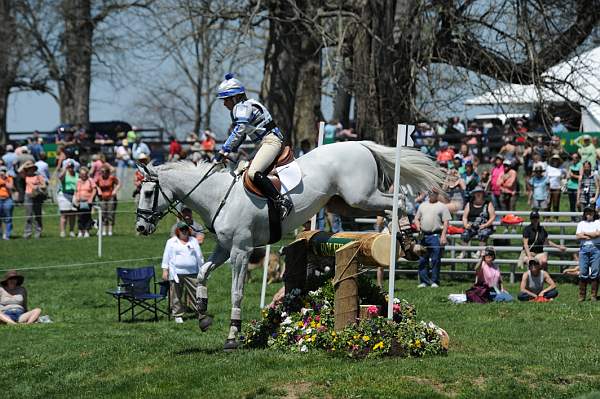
497,351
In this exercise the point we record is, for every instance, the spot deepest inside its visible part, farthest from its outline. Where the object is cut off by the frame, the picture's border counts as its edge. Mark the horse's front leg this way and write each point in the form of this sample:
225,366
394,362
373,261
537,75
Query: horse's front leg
239,262
218,257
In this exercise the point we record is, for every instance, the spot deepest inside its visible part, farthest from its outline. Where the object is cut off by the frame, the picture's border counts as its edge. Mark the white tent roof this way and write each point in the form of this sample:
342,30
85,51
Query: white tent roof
576,80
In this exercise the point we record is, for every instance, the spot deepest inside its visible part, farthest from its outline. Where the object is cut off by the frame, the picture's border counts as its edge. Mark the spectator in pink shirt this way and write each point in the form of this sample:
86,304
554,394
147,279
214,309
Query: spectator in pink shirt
494,185
83,198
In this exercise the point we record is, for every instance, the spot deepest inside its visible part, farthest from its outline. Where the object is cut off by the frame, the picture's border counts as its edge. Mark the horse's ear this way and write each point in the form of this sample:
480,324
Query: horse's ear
143,169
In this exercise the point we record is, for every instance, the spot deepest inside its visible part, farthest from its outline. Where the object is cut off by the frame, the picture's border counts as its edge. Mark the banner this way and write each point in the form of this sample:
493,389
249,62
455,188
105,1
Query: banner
567,139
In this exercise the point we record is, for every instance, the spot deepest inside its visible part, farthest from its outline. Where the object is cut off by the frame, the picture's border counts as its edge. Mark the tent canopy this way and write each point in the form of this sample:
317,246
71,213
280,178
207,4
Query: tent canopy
576,80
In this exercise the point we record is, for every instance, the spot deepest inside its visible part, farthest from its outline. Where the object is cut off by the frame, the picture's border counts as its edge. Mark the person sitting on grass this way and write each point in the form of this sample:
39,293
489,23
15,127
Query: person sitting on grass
532,283
488,273
477,219
181,261
13,301
535,237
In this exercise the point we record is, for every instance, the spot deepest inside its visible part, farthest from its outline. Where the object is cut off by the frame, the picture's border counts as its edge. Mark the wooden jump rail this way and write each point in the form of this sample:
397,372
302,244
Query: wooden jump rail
351,251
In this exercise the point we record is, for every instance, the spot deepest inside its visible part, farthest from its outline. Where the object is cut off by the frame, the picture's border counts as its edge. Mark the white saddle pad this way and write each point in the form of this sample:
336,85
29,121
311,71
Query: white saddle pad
290,176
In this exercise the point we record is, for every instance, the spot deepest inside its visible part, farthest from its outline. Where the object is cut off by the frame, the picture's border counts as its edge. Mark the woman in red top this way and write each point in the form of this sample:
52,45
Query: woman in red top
108,186
83,198
174,149
35,186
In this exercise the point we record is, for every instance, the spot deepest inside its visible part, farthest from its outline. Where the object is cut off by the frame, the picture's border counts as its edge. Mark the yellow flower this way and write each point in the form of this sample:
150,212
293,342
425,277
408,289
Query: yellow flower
357,336
378,345
333,334
313,324
366,338
300,324
418,343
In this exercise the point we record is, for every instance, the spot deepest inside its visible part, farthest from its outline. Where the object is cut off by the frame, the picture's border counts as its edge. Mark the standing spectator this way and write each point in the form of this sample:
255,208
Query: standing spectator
445,154
508,150
535,237
68,184
98,161
195,229
6,202
139,148
138,178
508,185
471,179
60,158
330,133
573,181
540,148
84,195
182,259
42,166
495,177
478,218
473,137
557,126
555,174
174,149
35,145
588,233
23,156
131,137
432,221
532,283
108,187
13,301
9,159
537,186
123,158
556,148
587,191
586,150
209,142
35,194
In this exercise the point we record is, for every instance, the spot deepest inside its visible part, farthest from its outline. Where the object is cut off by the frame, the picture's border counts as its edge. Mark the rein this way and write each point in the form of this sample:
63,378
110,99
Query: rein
153,216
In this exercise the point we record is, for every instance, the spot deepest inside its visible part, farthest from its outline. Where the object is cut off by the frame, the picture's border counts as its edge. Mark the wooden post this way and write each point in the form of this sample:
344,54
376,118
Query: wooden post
346,288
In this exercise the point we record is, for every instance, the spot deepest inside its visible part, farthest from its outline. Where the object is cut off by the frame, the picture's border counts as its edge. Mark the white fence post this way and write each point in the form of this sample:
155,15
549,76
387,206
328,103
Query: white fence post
394,232
99,231
263,290
313,220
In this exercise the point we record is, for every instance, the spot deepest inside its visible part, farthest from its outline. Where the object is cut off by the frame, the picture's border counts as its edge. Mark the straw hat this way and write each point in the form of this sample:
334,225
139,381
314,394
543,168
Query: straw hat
27,165
12,274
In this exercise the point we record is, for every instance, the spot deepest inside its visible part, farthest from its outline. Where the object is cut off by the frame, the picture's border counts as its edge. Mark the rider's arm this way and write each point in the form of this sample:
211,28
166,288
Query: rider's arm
241,114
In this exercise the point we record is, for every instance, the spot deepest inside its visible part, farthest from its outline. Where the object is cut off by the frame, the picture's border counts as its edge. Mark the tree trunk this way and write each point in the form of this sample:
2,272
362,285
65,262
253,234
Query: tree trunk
307,108
342,101
74,90
9,61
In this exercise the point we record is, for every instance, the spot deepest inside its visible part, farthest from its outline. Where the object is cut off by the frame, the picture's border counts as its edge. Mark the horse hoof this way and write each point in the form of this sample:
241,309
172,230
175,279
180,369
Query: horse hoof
230,345
204,322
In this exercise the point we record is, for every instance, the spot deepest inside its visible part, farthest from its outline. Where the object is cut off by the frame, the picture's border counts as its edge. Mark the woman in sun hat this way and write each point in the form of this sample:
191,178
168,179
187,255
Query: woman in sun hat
13,300
35,194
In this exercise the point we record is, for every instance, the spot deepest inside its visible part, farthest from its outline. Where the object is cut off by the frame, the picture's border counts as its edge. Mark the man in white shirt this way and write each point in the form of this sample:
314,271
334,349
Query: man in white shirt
42,166
181,261
588,233
139,148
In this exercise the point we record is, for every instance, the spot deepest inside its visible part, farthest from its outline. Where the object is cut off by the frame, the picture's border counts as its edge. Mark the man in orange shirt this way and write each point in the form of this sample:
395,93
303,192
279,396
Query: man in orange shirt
35,194
445,154
6,202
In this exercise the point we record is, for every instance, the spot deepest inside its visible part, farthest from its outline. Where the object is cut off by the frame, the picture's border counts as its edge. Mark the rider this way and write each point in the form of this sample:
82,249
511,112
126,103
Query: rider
251,118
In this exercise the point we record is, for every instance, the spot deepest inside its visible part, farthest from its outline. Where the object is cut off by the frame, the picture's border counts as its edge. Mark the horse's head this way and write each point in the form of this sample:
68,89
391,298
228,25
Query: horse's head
152,204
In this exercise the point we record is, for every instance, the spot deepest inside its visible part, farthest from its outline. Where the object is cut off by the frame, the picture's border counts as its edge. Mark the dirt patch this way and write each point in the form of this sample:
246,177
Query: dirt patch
296,390
436,386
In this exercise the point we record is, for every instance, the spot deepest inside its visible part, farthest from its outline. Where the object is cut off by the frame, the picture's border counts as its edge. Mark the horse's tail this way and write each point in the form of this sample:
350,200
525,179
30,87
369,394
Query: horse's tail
417,169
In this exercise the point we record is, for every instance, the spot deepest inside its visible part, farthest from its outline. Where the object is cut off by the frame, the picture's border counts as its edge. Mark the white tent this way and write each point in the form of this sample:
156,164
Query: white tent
576,80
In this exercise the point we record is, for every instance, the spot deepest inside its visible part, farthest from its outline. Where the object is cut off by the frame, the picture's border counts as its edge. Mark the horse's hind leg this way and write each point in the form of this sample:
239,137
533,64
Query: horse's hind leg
218,257
376,201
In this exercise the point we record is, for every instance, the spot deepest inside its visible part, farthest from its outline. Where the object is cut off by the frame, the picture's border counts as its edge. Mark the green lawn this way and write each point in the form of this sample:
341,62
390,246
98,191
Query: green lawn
496,350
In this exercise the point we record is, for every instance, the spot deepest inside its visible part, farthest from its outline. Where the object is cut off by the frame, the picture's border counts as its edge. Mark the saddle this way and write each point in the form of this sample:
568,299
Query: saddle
286,156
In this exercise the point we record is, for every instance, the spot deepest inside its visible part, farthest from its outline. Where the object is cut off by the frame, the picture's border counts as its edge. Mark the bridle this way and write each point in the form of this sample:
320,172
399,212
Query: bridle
153,216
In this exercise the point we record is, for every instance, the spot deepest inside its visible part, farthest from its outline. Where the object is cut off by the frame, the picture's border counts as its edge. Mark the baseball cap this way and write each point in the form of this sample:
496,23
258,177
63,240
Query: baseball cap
182,225
534,215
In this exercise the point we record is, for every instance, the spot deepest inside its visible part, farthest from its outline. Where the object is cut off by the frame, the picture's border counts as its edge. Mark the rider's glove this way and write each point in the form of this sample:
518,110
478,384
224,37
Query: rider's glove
220,155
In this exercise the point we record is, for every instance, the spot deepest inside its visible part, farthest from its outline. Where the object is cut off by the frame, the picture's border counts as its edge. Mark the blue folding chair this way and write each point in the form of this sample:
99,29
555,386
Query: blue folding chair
134,287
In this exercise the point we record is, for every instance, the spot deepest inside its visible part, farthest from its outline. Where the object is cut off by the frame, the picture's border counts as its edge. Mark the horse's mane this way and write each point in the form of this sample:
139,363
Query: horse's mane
202,167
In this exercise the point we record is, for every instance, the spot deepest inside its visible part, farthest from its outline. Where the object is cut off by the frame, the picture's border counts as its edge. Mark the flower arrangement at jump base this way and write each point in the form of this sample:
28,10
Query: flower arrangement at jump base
305,323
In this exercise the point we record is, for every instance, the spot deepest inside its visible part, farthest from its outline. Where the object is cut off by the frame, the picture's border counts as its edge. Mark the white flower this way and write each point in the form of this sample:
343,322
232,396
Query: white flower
303,348
396,301
288,320
303,311
288,330
309,330
284,314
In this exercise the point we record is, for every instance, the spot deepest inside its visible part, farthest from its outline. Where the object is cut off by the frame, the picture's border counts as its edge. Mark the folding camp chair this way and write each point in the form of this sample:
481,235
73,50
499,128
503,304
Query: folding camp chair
134,288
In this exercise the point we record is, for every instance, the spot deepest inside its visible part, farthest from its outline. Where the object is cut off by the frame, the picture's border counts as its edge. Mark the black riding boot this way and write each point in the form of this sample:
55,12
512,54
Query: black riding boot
269,190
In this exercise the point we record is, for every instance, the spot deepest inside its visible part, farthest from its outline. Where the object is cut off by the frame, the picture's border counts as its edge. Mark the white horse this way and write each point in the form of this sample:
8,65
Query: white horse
352,177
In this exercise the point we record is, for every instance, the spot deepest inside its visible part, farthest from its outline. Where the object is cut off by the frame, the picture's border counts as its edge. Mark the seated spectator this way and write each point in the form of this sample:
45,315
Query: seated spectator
445,154
589,182
13,301
456,125
478,218
535,237
457,163
182,259
537,188
6,202
428,147
489,278
83,198
532,283
473,135
196,230
588,234
465,153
